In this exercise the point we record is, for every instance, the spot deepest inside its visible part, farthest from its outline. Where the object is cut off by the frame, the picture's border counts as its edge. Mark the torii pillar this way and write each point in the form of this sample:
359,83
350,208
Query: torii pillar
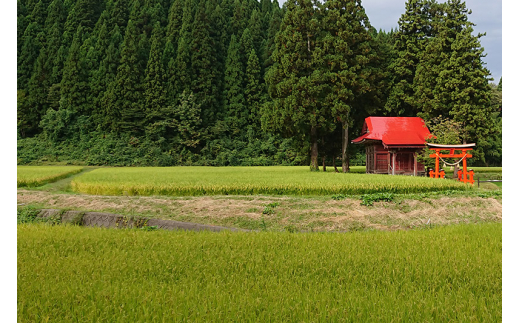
463,155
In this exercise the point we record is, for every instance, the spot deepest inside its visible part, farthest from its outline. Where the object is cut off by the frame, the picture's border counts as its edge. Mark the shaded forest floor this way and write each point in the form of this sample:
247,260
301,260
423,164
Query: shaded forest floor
275,213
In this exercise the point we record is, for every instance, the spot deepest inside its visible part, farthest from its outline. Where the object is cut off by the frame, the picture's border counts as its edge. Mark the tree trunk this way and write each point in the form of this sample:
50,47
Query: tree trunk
344,153
456,171
323,157
314,150
334,163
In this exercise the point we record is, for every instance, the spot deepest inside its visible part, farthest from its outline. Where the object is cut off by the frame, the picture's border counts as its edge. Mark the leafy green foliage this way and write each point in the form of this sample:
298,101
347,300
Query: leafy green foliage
27,214
309,73
369,199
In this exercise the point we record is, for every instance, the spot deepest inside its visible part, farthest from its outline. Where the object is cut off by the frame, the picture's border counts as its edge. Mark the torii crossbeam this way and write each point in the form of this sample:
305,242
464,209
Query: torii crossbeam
464,148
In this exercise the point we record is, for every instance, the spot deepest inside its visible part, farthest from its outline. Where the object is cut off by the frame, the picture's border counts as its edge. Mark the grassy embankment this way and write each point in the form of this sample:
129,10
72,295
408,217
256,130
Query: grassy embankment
270,212
68,273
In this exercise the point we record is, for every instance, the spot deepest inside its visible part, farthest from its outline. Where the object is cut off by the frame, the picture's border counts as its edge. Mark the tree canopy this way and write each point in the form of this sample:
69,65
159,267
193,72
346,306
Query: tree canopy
240,82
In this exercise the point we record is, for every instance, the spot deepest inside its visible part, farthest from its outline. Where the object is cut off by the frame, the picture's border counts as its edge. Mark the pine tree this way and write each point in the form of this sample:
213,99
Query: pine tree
296,80
103,78
21,24
239,20
154,90
246,45
188,122
39,13
122,98
119,14
40,81
253,90
183,73
218,27
257,32
84,13
236,114
29,52
274,25
467,81
74,85
414,31
56,14
265,6
350,59
203,66
172,31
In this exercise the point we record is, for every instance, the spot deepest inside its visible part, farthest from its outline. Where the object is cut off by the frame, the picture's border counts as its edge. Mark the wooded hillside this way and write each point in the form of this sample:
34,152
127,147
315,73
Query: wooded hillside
240,82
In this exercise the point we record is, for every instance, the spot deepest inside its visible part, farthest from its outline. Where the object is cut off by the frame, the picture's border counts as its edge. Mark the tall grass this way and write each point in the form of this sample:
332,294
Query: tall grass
182,181
30,176
447,274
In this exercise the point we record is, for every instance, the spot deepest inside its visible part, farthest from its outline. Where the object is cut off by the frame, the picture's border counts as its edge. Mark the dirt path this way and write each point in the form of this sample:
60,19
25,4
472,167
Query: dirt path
289,213
63,185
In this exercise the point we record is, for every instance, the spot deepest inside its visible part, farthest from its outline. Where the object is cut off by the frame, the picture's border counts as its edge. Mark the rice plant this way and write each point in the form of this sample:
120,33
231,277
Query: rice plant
31,176
273,180
443,274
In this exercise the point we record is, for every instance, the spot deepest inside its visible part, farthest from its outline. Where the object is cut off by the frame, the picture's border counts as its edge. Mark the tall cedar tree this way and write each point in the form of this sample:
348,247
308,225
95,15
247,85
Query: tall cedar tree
74,85
236,113
253,89
103,78
125,92
414,31
27,113
154,90
465,81
203,66
183,73
119,12
275,19
238,21
21,24
31,45
218,28
296,80
170,48
257,32
349,57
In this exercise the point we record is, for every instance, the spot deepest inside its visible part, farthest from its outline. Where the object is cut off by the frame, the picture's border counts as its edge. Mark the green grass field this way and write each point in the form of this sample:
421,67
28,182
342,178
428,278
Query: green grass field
272,180
68,274
30,176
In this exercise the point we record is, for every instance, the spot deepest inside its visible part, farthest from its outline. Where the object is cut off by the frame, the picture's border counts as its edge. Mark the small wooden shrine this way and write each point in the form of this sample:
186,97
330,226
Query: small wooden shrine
392,145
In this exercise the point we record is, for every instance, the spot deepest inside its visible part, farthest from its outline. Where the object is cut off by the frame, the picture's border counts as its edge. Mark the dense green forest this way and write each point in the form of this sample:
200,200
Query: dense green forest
240,82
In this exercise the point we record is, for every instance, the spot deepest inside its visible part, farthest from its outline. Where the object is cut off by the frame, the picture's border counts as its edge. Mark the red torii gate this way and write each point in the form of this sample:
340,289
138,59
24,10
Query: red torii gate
462,175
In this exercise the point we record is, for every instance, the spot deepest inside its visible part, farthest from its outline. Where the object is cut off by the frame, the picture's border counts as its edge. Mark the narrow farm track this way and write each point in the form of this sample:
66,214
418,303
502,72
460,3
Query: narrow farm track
280,213
64,183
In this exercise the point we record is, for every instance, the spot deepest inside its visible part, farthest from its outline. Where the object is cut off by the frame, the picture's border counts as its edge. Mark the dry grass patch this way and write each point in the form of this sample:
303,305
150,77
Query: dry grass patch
300,214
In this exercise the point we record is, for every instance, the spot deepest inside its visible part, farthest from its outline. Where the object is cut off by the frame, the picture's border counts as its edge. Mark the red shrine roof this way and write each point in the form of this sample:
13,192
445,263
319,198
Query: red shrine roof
403,132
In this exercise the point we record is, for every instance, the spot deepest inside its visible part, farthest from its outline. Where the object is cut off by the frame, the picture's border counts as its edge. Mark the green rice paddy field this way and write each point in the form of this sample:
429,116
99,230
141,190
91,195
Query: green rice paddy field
31,176
444,274
272,180
70,273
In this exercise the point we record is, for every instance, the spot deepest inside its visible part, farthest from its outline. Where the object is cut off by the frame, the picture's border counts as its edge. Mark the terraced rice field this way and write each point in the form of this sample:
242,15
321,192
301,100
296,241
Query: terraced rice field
272,180
30,176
